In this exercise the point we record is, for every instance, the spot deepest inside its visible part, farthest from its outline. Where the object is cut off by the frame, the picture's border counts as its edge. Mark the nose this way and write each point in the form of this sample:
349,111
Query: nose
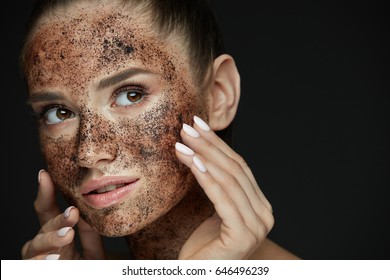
96,143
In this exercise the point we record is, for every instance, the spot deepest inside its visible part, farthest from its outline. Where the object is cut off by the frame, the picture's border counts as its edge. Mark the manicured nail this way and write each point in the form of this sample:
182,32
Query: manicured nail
39,175
67,211
62,232
190,131
199,164
184,149
52,257
201,123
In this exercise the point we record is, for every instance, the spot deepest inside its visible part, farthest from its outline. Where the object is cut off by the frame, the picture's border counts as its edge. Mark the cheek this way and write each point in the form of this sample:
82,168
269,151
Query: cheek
146,142
148,146
61,159
150,138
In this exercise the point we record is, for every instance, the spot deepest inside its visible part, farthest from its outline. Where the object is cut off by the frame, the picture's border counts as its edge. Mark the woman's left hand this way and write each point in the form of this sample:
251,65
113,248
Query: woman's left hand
243,215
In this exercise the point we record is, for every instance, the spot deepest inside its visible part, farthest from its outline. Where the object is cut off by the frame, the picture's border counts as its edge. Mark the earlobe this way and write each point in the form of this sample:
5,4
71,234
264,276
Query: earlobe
225,92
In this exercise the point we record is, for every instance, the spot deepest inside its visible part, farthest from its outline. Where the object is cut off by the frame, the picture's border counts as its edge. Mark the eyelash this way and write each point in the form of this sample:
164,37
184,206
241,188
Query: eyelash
140,87
42,114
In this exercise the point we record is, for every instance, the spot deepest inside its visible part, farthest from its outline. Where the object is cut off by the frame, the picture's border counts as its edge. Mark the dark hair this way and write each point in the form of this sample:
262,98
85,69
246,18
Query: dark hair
193,20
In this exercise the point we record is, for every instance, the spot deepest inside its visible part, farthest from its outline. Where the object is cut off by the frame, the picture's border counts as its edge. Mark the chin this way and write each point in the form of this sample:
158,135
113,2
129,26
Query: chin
110,223
117,229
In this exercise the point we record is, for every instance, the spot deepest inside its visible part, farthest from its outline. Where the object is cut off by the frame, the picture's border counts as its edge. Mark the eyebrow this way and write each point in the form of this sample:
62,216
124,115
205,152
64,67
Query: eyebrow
122,76
44,96
104,83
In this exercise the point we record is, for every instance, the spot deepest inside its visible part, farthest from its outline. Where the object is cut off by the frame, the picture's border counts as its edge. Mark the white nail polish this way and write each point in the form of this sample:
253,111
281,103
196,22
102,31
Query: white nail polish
39,175
62,232
67,211
184,149
199,164
201,123
52,257
190,131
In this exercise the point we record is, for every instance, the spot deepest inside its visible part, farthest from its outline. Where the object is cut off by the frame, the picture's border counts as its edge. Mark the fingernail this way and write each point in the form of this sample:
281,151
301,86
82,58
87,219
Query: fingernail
201,123
199,164
67,211
184,149
190,131
39,175
62,232
52,257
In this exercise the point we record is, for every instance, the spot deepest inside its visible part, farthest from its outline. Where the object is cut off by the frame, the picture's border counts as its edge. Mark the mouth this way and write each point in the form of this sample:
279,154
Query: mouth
105,189
106,194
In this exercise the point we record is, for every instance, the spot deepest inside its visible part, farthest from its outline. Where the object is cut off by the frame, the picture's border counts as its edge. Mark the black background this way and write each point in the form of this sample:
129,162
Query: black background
313,123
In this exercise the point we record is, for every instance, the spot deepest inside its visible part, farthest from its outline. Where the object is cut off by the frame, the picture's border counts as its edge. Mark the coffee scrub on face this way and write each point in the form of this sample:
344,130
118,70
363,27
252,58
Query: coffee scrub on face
73,55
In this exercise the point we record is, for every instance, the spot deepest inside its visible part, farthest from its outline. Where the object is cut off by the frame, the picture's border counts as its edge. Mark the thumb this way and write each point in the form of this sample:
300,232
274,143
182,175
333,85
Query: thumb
45,204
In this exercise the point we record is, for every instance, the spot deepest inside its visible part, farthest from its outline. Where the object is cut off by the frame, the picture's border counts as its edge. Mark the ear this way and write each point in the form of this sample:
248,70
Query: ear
225,92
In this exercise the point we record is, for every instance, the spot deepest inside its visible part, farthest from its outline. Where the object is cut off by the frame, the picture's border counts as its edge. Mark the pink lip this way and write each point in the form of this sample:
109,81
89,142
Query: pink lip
106,199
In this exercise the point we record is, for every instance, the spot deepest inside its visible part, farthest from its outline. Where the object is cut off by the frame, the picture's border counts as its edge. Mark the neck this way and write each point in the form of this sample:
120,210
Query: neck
164,238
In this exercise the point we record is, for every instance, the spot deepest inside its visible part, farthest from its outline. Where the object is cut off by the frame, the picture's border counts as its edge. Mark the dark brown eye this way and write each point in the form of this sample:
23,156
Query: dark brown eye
128,97
57,115
134,96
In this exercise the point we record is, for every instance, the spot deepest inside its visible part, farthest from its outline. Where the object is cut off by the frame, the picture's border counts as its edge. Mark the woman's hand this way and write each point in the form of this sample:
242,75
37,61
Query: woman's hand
55,239
243,215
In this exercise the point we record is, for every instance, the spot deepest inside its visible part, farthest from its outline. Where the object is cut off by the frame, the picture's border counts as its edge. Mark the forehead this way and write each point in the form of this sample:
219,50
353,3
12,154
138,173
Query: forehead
86,40
91,28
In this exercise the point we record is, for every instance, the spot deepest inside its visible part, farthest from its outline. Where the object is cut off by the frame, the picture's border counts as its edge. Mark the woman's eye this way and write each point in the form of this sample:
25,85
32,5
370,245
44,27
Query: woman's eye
128,97
57,115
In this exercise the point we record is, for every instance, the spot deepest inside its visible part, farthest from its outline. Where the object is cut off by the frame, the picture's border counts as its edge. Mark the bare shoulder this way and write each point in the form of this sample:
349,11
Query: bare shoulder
269,250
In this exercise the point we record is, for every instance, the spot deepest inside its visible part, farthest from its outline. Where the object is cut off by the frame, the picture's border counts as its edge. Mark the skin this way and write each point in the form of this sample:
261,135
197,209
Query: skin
102,137
93,55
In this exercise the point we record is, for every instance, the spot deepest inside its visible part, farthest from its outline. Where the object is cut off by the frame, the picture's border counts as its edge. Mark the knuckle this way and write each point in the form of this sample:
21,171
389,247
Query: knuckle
262,231
267,222
38,207
33,247
225,201
229,180
25,248
50,225
271,209
208,145
233,164
240,160
53,241
271,223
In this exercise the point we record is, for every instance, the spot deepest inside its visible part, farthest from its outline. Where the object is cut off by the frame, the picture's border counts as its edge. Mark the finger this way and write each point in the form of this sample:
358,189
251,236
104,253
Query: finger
223,204
208,150
68,218
235,227
247,201
47,257
91,242
225,181
45,243
25,248
204,130
253,217
184,153
45,204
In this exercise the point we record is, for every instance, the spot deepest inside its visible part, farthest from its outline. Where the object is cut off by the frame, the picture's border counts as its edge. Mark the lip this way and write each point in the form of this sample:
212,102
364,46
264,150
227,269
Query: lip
109,198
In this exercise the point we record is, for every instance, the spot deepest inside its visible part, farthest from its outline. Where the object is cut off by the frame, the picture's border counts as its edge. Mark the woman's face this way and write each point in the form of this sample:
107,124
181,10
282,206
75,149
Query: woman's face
111,100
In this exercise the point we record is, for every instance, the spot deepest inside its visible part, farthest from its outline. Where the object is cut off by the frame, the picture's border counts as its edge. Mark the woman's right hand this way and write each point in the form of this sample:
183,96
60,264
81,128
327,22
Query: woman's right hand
57,236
